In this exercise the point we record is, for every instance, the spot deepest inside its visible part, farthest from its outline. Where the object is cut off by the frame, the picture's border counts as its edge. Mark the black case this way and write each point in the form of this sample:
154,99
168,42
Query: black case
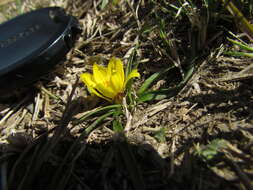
32,44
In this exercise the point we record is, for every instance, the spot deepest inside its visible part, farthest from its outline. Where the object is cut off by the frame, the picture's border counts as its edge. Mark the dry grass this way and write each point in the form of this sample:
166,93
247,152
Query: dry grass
58,137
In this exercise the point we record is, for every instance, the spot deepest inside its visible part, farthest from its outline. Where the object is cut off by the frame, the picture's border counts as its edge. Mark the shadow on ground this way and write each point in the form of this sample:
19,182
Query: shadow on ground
57,160
54,163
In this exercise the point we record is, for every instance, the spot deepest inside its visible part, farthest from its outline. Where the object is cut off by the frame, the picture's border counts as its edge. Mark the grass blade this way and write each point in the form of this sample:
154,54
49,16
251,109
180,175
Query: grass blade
148,82
239,17
241,45
239,54
58,175
166,93
98,110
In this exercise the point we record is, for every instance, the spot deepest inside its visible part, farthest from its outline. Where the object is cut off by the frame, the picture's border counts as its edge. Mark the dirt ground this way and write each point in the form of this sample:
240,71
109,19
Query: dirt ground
196,135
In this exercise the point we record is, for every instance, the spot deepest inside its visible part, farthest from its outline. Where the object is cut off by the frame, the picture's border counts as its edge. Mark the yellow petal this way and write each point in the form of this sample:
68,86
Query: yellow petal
88,80
115,73
99,74
106,91
134,73
93,91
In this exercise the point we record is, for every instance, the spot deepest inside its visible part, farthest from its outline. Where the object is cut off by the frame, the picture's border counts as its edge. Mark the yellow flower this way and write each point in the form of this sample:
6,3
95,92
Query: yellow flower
108,83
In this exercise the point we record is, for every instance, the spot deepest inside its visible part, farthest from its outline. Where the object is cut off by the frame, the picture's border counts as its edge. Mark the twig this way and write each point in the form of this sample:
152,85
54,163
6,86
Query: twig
13,110
128,116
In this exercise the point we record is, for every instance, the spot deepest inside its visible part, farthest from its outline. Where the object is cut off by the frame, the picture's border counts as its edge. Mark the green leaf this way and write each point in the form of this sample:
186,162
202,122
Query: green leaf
95,123
241,45
160,135
157,95
148,82
153,78
115,2
104,4
209,151
117,126
209,154
166,93
87,115
242,22
238,54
